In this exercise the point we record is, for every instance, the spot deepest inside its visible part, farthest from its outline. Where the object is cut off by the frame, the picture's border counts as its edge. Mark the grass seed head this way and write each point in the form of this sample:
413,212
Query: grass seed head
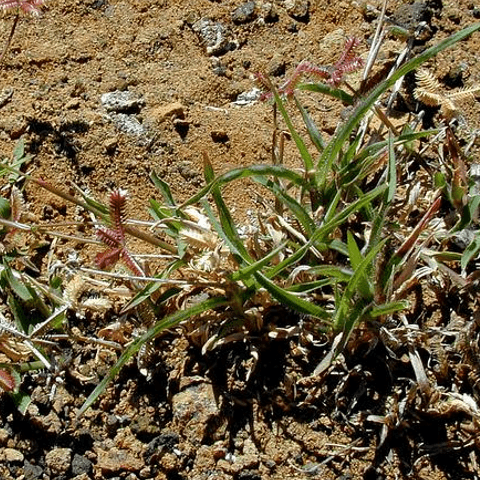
22,6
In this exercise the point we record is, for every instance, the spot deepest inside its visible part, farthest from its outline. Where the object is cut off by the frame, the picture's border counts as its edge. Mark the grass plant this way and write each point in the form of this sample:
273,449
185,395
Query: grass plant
329,248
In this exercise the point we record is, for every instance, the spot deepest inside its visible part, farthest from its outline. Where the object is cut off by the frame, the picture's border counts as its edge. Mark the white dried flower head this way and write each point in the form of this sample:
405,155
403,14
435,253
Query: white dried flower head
82,299
207,262
199,218
430,92
198,238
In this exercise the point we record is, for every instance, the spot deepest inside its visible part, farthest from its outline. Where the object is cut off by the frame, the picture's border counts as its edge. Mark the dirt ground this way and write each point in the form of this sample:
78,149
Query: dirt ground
184,68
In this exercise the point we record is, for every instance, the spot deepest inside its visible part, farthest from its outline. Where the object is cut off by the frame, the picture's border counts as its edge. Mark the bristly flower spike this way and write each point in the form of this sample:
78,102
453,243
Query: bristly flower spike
114,238
118,203
333,75
25,6
347,63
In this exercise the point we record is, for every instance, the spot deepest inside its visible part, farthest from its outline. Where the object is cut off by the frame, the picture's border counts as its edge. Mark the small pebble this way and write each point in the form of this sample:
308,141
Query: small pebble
59,460
297,9
12,455
215,36
170,111
81,464
3,436
121,102
32,472
244,13
128,124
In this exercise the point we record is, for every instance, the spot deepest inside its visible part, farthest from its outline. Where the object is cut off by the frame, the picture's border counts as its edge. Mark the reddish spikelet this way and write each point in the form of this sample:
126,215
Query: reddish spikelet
333,75
131,263
118,202
303,68
310,68
25,6
114,238
17,204
109,237
263,83
7,381
347,63
108,258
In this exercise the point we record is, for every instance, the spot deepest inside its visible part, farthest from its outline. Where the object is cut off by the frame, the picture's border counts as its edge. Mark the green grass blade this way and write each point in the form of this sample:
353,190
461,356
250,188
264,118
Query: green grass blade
276,171
168,322
388,308
164,189
226,228
292,301
340,274
332,206
402,139
327,90
21,400
298,211
307,287
349,156
312,129
333,149
16,285
288,262
302,148
248,271
208,172
320,236
346,301
338,246
343,215
152,287
356,258
392,170
470,252
228,232
172,226
354,254
221,233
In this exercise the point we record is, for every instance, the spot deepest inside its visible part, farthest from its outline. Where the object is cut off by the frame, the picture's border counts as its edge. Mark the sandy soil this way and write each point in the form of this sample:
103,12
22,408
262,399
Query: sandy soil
191,418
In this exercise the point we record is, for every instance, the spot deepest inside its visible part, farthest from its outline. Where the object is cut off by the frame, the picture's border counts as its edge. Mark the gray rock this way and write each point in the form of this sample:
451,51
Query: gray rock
122,102
244,13
5,96
81,464
463,238
32,472
166,442
214,36
475,177
127,124
247,98
410,15
194,407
